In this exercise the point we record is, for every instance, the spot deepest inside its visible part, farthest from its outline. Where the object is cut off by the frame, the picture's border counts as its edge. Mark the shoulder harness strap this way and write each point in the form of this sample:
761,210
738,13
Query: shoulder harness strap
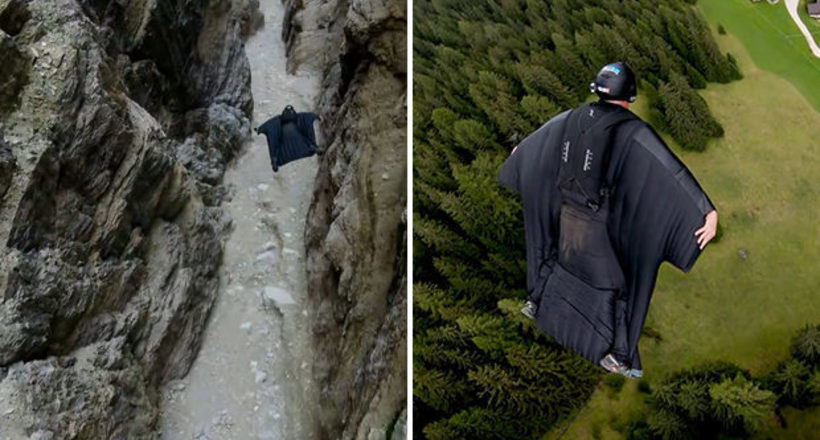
585,153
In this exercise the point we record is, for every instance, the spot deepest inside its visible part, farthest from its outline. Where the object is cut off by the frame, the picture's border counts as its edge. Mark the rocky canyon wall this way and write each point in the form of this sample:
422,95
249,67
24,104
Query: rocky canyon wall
356,227
117,119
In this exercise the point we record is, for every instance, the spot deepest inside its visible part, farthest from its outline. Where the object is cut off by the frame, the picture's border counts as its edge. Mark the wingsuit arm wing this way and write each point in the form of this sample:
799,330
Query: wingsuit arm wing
692,202
272,130
657,207
266,126
531,170
305,123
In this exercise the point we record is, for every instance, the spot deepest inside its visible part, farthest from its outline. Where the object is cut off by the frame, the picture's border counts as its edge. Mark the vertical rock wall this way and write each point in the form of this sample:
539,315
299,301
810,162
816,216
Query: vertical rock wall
356,230
117,119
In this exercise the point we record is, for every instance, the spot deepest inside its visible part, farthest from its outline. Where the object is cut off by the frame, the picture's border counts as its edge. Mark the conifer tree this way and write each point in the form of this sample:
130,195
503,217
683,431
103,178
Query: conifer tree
686,115
720,400
806,346
740,405
791,383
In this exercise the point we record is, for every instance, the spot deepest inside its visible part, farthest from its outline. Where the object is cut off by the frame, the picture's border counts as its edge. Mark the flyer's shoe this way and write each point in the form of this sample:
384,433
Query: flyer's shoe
529,309
613,366
635,374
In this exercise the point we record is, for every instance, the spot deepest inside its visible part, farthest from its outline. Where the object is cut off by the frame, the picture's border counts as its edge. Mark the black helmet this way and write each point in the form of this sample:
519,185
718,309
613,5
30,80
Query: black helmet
288,114
615,81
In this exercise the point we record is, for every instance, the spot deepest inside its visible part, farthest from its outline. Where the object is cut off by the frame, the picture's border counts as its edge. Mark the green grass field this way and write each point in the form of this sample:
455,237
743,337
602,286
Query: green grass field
763,177
772,39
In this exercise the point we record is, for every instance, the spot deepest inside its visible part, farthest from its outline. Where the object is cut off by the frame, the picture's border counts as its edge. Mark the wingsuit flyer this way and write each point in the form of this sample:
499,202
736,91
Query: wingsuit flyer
605,202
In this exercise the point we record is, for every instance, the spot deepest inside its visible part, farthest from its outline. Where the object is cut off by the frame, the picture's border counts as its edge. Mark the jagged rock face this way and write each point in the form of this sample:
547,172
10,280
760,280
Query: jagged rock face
356,233
117,122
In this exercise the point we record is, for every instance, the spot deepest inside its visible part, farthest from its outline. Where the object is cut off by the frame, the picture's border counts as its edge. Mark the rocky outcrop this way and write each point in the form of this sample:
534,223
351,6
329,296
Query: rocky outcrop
117,121
7,167
356,230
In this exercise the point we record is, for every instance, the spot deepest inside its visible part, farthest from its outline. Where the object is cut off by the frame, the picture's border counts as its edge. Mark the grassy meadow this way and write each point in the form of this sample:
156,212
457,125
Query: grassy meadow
763,177
773,40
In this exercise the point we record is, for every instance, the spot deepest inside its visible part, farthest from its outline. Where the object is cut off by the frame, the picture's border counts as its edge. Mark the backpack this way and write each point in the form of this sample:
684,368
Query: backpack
584,182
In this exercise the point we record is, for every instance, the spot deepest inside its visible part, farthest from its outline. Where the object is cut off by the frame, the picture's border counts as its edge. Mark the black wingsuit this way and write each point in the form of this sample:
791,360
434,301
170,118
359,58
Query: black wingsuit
291,140
654,208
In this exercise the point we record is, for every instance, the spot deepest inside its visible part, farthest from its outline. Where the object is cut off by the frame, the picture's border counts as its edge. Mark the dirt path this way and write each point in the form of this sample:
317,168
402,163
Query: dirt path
248,381
791,6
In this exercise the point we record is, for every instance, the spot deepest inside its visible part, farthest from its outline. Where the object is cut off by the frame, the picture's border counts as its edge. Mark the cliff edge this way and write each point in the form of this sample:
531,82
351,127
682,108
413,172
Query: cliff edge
356,227
116,124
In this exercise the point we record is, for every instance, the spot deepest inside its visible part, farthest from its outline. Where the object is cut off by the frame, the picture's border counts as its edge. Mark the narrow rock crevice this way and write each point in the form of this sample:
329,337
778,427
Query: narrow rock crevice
251,377
14,16
13,71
